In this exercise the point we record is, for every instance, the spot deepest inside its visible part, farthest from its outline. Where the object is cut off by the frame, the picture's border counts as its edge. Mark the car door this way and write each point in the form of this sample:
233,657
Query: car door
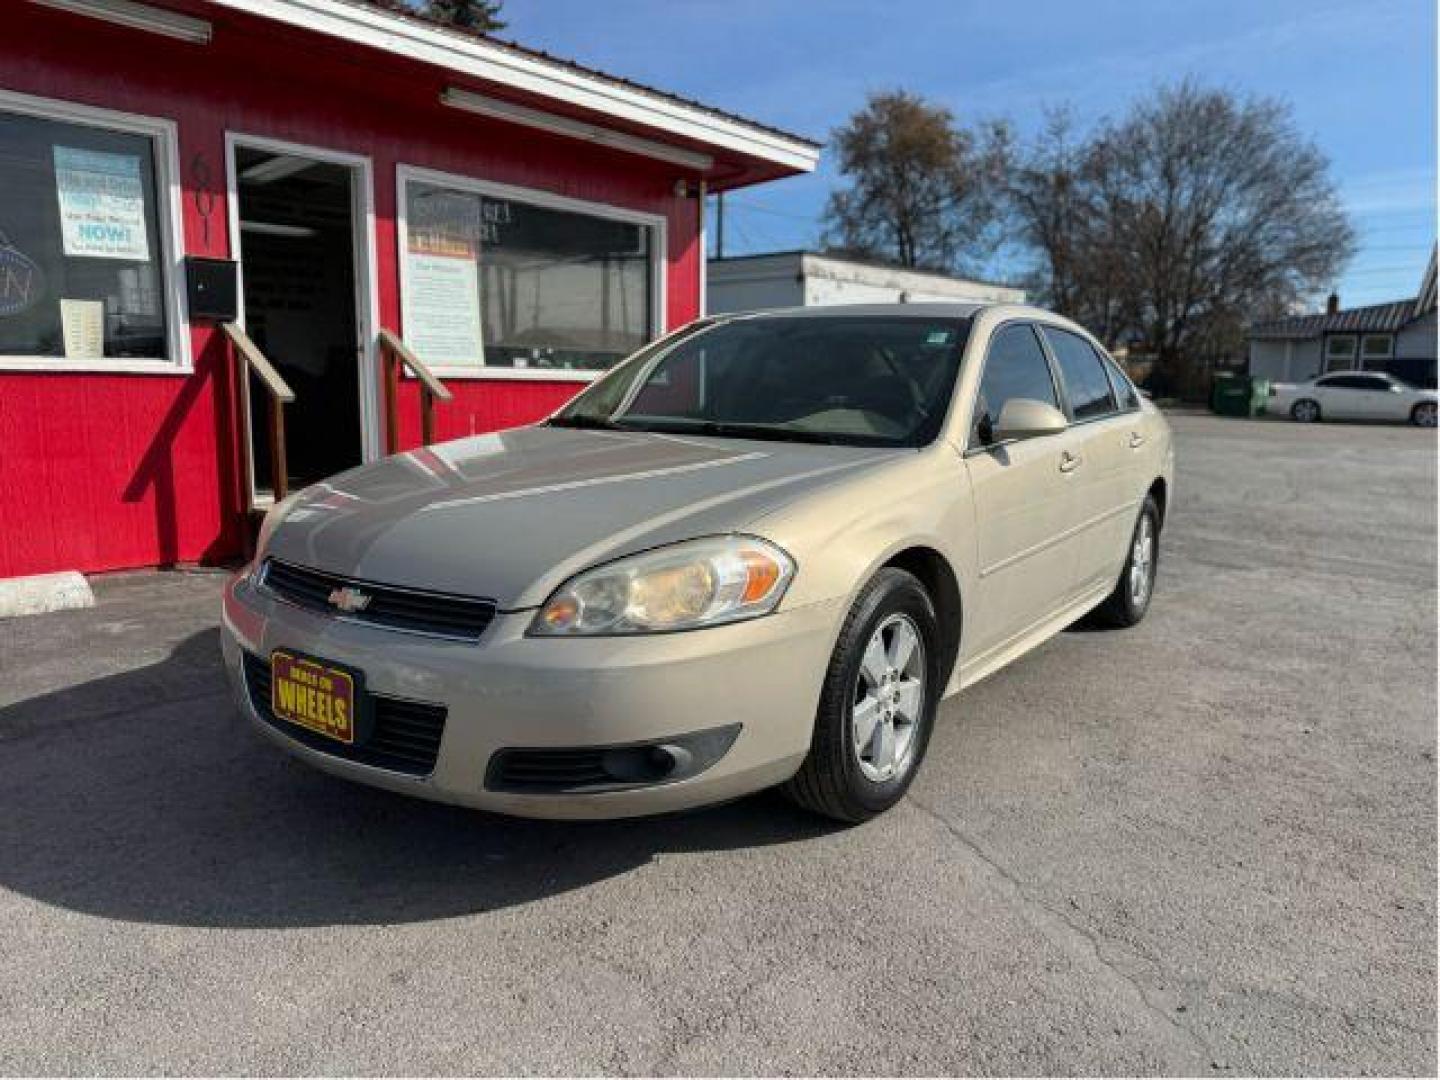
1106,489
1382,399
1340,397
1024,512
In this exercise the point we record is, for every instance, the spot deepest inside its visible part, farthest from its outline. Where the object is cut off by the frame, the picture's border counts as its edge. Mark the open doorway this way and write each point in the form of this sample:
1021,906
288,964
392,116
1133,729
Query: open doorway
300,256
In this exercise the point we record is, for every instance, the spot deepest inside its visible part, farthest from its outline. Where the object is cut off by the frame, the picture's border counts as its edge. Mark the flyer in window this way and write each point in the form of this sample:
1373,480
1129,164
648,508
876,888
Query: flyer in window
442,310
102,204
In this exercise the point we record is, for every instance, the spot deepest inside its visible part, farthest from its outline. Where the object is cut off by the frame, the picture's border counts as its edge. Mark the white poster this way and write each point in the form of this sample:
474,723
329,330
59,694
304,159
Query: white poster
102,204
442,308
83,326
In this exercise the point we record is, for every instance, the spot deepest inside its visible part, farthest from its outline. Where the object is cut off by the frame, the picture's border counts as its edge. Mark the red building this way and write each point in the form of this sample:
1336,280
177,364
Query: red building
519,221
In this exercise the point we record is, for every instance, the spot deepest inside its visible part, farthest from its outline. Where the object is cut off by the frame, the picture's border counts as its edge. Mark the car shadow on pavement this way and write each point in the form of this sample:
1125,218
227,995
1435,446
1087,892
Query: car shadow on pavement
145,796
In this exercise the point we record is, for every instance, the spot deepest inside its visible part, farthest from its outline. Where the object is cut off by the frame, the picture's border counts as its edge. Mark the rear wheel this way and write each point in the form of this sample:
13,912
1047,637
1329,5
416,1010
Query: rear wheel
877,705
1423,415
1129,601
1305,411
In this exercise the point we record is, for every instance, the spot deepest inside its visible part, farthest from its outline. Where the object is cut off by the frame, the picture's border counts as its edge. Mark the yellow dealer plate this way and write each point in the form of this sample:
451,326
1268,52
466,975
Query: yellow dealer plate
313,695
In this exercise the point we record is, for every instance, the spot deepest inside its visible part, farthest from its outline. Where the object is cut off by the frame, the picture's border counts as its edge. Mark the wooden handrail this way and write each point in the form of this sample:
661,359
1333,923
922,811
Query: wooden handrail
280,395
395,353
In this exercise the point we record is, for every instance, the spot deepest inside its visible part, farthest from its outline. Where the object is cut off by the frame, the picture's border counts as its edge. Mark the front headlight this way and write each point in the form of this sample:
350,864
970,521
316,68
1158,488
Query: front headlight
698,583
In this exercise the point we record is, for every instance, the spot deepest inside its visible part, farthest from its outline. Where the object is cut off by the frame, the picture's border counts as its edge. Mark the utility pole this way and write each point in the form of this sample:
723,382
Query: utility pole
720,225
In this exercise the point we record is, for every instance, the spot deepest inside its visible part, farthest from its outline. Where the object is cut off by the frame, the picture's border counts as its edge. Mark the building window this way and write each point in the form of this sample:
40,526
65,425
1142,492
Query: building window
1340,352
500,281
1376,350
84,241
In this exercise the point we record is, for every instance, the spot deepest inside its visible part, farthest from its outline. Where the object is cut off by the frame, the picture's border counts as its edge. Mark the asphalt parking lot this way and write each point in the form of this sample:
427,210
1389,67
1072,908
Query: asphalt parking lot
1205,845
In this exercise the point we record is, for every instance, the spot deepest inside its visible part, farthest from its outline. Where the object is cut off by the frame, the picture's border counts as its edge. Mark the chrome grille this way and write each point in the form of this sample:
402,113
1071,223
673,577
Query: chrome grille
414,611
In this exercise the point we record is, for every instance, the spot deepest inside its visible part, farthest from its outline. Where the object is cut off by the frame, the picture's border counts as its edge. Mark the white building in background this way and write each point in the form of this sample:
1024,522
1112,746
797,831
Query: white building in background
807,279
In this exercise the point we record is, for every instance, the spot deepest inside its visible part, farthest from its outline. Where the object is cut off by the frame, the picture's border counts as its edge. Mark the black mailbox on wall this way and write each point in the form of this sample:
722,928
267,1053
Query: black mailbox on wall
212,288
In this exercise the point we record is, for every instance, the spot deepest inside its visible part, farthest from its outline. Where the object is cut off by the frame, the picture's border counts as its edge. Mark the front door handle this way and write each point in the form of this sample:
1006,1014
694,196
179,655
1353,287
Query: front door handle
1069,462
1136,440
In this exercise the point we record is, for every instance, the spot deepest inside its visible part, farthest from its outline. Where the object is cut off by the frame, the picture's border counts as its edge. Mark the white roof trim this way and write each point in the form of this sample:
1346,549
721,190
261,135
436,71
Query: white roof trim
575,129
378,29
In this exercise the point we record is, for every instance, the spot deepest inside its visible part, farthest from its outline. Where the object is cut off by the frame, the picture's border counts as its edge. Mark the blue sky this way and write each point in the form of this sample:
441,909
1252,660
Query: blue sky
1360,75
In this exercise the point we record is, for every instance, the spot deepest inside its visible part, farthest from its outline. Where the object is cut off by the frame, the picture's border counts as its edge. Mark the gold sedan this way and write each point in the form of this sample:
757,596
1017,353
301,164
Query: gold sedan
758,552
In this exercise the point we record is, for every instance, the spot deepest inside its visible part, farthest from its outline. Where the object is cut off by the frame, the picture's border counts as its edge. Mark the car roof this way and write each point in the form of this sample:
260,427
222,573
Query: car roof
929,309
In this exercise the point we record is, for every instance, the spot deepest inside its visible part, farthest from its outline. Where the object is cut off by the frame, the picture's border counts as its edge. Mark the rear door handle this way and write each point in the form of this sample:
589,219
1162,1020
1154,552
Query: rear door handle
1136,440
1069,462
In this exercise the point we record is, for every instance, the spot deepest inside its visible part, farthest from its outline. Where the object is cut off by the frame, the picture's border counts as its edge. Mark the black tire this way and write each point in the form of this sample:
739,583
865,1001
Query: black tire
1123,607
1305,411
1423,415
831,781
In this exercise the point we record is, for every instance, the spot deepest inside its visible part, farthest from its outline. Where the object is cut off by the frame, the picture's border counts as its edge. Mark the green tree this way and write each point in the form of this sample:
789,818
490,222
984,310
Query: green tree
921,189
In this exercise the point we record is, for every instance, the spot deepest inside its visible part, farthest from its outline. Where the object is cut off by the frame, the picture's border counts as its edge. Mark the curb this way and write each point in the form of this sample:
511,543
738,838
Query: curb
43,593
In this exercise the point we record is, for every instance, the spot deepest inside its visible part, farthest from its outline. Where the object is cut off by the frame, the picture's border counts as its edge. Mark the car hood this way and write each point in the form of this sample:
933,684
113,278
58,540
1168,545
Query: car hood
510,515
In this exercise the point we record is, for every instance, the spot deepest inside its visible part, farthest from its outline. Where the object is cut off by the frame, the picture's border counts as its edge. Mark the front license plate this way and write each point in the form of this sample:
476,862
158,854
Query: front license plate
313,695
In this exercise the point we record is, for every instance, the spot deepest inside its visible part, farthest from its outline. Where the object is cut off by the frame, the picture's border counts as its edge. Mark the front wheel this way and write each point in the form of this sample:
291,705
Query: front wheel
877,705
1423,415
1127,604
1305,411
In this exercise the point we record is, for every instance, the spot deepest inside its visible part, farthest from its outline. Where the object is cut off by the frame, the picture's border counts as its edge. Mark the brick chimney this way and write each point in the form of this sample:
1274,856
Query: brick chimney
1332,303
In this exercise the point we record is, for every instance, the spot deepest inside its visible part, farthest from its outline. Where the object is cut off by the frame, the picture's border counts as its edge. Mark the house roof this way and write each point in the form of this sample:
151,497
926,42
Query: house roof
594,73
1375,319
562,85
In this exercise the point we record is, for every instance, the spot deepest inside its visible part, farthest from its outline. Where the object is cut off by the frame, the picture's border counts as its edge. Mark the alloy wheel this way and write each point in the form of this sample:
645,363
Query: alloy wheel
1142,561
889,699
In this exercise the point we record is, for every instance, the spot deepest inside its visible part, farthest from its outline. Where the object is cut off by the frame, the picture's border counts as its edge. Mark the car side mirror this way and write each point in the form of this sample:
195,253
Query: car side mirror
1026,418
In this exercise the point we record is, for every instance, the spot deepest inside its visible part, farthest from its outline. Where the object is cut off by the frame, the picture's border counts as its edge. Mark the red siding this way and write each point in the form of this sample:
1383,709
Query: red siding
102,471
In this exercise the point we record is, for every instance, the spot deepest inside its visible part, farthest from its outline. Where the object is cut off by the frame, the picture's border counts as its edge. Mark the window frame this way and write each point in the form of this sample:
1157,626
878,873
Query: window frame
406,174
164,140
972,446
1385,357
1327,354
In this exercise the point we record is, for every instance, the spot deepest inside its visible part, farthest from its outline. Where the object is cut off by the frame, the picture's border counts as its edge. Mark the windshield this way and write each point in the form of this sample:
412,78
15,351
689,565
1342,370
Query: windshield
845,380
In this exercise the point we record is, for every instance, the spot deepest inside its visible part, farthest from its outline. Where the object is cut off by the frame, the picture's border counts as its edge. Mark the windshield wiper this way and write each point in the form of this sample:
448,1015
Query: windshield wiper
580,420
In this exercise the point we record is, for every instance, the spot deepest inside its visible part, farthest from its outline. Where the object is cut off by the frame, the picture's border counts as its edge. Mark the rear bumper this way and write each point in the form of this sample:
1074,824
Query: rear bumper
511,691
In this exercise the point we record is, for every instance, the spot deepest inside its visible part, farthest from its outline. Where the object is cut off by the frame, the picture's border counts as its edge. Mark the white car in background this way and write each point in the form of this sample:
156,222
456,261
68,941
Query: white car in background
1354,395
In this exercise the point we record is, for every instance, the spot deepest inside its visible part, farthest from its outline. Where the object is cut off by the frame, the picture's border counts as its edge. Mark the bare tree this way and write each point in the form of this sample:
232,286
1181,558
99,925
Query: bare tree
921,189
1057,211
1195,212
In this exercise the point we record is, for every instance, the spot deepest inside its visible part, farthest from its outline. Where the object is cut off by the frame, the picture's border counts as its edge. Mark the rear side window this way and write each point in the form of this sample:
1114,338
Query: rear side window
1015,367
1120,386
1086,384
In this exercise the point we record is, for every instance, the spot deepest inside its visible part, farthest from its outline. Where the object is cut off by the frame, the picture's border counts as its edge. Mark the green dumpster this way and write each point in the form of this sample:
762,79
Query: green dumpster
1234,394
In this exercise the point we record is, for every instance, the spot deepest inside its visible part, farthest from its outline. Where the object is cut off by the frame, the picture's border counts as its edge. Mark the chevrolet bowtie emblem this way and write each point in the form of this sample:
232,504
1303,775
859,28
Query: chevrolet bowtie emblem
348,599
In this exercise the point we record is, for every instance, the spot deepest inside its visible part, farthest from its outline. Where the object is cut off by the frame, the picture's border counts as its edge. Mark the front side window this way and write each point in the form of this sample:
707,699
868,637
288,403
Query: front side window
502,283
845,380
1086,384
81,258
1015,367
1347,382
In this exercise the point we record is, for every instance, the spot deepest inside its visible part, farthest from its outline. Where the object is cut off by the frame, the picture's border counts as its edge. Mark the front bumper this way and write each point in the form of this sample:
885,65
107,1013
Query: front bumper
509,691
